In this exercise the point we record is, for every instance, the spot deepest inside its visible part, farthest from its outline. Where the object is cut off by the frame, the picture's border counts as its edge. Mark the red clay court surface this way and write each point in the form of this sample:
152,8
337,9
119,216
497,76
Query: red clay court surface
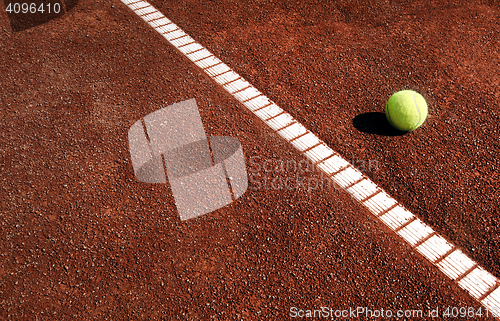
81,238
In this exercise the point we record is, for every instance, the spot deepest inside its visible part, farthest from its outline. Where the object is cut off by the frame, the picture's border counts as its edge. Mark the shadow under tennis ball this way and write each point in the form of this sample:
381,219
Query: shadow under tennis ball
26,15
375,123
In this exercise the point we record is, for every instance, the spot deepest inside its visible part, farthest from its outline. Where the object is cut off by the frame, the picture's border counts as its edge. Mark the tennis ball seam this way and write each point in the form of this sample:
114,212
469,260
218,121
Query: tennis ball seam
418,110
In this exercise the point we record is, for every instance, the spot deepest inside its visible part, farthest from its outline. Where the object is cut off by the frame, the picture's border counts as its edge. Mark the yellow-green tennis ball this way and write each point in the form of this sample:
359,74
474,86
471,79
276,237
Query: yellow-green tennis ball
406,110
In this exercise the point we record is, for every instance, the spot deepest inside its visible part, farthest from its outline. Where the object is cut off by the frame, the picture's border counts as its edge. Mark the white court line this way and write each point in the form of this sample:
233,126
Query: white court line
479,283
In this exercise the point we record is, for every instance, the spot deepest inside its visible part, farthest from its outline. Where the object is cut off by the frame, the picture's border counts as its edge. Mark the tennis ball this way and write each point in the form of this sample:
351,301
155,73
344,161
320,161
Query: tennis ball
406,110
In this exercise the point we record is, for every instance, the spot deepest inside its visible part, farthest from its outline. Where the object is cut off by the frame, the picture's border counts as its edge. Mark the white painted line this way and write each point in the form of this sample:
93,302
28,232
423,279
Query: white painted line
174,35
226,77
379,203
455,264
237,85
305,142
254,97
190,48
415,231
333,165
433,247
139,5
347,177
210,61
292,131
363,189
397,217
198,55
492,302
167,28
130,3
477,282
256,103
179,42
159,22
146,10
134,5
268,112
152,16
217,70
319,153
247,94
280,121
